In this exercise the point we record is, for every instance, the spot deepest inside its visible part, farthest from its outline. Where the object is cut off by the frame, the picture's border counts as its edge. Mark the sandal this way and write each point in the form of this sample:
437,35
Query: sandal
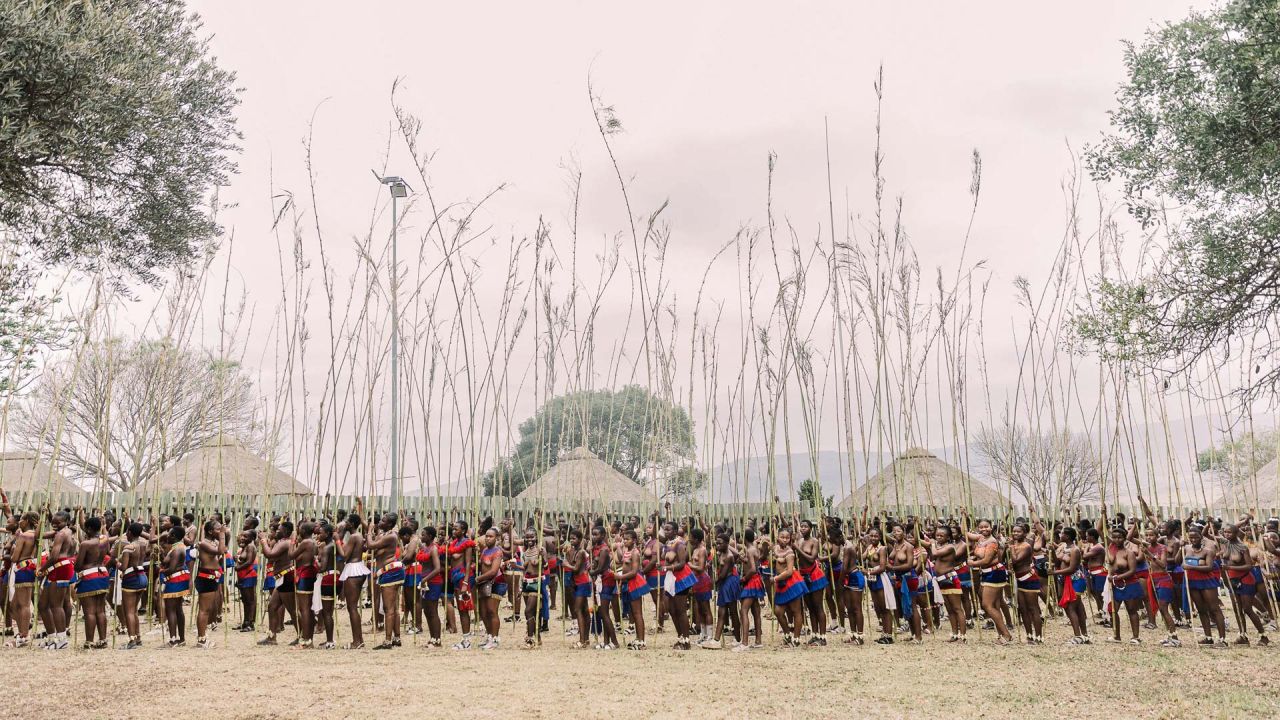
353,646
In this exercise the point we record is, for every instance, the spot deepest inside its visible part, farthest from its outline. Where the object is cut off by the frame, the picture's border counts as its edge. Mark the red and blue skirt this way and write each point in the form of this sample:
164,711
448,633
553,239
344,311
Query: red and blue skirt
814,579
793,588
684,580
637,588
92,582
753,589
177,584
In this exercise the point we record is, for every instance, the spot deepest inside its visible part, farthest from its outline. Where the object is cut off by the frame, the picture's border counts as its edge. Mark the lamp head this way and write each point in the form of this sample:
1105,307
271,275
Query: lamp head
399,188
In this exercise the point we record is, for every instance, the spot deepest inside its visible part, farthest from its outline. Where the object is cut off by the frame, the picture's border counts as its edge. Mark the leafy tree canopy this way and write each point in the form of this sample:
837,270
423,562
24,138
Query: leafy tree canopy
810,493
1195,143
631,429
115,126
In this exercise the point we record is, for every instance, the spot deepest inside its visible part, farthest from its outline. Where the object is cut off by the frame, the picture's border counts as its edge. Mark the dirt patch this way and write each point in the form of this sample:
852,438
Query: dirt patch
236,679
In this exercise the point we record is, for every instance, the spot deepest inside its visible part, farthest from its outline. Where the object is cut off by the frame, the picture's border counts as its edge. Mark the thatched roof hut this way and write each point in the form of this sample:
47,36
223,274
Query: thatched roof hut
24,472
1243,497
918,478
581,476
226,467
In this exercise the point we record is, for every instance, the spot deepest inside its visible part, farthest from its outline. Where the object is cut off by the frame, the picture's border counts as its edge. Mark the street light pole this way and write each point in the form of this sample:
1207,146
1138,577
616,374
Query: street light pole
398,189
395,361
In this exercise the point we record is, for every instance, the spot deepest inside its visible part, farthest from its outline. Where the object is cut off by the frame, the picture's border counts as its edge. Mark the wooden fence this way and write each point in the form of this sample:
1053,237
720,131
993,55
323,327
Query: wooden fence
437,507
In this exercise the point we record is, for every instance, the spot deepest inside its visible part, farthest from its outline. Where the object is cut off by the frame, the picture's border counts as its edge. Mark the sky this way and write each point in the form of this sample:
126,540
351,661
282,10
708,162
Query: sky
705,92
704,95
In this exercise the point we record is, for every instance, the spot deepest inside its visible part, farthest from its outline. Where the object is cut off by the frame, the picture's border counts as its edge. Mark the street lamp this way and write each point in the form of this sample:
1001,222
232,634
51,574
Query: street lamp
399,188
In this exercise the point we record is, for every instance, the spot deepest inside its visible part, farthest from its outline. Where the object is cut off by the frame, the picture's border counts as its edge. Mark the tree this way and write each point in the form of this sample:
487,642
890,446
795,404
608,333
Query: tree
811,495
1048,469
1235,463
683,483
631,429
1195,127
127,409
115,126
28,325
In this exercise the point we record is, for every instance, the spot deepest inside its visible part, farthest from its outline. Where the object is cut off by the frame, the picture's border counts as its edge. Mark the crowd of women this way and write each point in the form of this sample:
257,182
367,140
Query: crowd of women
615,582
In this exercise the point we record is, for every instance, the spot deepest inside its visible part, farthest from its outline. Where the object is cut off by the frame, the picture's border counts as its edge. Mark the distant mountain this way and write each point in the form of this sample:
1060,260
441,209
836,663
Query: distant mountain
459,488
746,480
1161,457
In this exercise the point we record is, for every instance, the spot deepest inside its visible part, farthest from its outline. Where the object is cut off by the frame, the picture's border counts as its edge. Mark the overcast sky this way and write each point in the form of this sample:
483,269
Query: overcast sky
705,91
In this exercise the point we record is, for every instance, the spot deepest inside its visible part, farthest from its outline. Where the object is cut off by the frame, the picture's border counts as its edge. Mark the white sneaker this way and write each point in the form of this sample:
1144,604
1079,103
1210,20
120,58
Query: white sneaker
463,644
709,644
490,643
739,648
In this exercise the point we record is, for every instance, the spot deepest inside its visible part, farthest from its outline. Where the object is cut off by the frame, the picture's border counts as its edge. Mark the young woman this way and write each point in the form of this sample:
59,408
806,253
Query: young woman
995,577
906,581
431,583
1023,547
753,592
1095,561
92,584
460,579
789,589
209,577
533,560
600,568
176,584
22,559
1067,559
698,563
133,582
852,583
630,575
354,574
577,588
1200,560
942,551
246,569
329,569
728,588
808,550
491,585
833,567
1154,554
1126,588
1238,560
876,557
678,583
409,548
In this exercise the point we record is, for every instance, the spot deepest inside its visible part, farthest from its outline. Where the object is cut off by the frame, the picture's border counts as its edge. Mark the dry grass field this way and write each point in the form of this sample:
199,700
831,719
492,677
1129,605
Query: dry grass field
236,679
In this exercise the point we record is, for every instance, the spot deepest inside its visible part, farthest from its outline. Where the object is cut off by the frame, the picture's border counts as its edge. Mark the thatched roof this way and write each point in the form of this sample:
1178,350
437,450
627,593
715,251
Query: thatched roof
918,478
580,475
226,467
25,472
1243,497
